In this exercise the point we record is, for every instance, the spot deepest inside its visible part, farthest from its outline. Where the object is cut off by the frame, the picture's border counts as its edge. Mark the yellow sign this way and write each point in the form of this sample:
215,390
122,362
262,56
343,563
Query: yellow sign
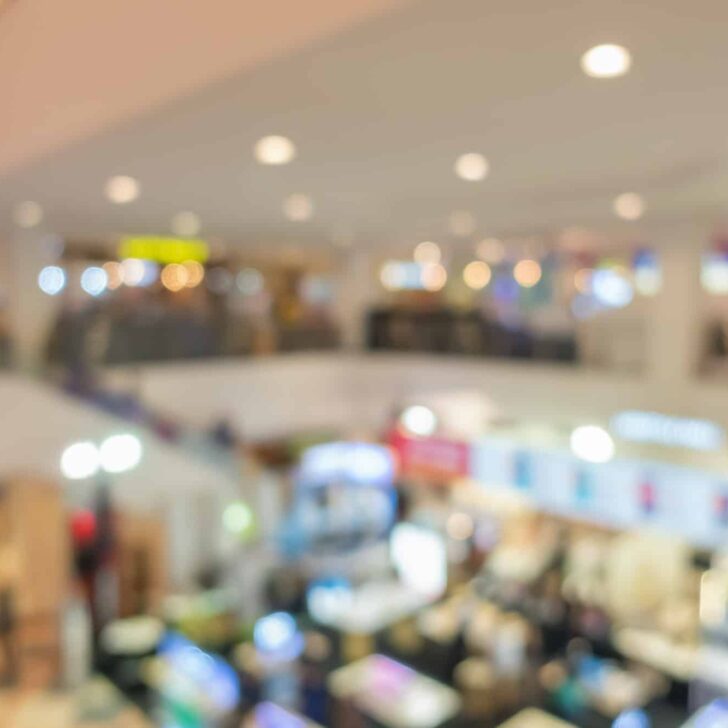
164,250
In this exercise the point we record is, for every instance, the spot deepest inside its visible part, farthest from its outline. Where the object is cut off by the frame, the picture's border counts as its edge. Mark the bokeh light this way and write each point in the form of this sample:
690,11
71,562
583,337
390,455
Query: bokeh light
94,280
527,273
174,277
80,460
274,150
427,252
477,275
592,443
52,280
434,277
472,167
122,189
120,453
606,61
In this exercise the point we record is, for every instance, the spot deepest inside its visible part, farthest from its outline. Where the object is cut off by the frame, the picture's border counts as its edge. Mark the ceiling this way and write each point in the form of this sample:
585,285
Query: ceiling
379,113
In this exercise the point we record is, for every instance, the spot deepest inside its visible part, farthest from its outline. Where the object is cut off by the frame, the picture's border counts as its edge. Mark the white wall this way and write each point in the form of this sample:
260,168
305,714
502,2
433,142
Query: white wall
283,394
37,423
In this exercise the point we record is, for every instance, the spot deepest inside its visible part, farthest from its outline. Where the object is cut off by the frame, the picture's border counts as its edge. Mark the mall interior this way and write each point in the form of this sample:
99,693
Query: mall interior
363,364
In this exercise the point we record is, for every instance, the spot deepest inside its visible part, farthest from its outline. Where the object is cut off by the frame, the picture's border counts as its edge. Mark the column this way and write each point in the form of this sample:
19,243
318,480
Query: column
356,293
675,327
30,312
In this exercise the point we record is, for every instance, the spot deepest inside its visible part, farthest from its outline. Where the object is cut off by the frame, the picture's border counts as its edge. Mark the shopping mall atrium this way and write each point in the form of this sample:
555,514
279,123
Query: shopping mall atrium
363,364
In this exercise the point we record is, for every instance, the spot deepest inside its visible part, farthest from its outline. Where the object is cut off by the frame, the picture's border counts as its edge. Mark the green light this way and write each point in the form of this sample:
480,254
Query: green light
238,518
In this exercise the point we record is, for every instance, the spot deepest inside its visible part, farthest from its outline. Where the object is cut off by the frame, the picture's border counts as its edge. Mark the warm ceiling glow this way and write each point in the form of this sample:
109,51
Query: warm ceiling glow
491,250
274,150
186,224
477,275
434,276
28,214
174,277
629,206
195,273
472,167
298,207
606,61
113,274
427,252
122,189
462,223
527,273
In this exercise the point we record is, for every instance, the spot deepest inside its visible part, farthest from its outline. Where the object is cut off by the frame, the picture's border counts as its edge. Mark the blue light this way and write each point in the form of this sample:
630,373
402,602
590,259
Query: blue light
357,463
632,719
277,636
611,288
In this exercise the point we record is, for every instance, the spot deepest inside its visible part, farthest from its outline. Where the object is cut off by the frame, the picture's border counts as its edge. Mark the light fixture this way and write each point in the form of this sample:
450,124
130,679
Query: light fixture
419,420
274,150
195,273
237,518
434,277
427,252
462,223
477,275
249,281
276,635
122,189
80,460
491,250
94,280
611,288
629,206
120,453
28,214
298,207
472,167
186,224
527,272
592,443
174,277
606,61
132,271
52,280
113,274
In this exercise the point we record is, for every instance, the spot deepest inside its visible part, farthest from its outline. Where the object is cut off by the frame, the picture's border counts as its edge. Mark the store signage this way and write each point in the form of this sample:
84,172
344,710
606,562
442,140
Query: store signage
653,427
164,249
623,494
354,463
436,458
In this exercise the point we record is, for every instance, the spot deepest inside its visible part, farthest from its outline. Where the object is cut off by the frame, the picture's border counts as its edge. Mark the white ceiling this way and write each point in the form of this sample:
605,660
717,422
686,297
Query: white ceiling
380,112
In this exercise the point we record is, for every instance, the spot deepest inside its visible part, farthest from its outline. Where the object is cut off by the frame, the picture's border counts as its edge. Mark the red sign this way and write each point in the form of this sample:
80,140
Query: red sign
435,458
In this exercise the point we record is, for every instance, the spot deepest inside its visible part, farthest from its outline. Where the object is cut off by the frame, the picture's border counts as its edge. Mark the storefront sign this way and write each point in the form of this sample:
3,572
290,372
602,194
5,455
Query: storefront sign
435,458
686,502
665,430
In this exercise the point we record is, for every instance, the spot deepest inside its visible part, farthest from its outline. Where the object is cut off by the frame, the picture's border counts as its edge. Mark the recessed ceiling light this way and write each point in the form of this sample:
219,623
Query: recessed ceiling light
274,150
298,207
462,223
427,252
472,167
28,214
186,224
606,61
491,250
122,189
629,206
